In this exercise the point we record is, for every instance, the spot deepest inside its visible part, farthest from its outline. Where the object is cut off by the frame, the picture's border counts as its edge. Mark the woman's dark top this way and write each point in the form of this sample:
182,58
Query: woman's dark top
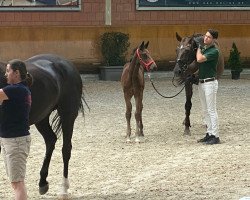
15,111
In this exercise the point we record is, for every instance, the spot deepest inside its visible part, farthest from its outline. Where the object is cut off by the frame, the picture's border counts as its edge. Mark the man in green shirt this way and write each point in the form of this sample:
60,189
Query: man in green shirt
207,57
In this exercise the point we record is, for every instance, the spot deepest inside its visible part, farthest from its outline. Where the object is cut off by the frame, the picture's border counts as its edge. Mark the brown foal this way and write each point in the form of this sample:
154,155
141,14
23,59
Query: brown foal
133,83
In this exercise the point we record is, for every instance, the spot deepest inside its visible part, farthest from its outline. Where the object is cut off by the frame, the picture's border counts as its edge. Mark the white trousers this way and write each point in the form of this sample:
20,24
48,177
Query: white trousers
208,93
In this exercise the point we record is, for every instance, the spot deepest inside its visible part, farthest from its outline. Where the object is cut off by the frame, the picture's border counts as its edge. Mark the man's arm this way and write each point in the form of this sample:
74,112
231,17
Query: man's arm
200,57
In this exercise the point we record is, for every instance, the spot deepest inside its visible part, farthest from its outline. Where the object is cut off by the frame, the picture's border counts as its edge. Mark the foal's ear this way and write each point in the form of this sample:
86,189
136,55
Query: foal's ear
141,46
146,45
178,37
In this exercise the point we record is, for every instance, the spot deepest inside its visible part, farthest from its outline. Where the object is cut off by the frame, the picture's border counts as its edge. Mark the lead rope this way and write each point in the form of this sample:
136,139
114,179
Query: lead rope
149,76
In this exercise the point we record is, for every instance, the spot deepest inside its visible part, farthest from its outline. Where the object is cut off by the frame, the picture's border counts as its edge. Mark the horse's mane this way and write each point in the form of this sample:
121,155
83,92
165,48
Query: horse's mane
221,64
132,54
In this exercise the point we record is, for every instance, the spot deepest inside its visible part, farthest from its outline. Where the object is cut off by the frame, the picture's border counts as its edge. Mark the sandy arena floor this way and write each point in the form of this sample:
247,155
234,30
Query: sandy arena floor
166,166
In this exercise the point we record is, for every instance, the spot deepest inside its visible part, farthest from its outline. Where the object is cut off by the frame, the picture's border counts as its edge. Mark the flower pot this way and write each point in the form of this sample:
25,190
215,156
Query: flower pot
235,74
111,73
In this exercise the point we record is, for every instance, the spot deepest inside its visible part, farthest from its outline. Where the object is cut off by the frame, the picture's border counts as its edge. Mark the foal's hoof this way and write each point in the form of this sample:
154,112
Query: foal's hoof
43,190
137,141
63,196
187,132
128,140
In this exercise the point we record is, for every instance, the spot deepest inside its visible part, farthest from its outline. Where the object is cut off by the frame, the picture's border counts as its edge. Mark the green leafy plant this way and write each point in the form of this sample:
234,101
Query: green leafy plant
234,60
114,46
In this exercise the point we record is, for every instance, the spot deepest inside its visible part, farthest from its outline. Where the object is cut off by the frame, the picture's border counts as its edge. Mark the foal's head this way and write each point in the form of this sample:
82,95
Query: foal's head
143,57
186,55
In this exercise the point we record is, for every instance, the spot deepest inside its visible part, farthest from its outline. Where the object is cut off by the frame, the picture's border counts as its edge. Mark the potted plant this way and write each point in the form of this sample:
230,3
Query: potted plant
114,46
234,62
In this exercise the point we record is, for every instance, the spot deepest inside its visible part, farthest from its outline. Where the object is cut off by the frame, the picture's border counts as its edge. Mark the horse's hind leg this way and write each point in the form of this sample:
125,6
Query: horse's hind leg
68,115
50,139
67,128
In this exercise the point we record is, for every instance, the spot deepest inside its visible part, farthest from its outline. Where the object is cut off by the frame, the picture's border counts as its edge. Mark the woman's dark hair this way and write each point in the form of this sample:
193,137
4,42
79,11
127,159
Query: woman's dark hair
21,67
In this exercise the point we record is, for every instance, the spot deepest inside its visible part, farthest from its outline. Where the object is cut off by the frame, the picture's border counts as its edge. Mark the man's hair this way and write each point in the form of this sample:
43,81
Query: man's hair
214,33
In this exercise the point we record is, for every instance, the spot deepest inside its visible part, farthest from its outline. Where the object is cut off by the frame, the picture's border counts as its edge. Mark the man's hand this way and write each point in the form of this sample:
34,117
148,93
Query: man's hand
199,41
192,79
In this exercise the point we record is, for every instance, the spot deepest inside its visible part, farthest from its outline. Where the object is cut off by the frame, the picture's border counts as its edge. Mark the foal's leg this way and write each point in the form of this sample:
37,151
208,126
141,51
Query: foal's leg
50,139
138,116
127,98
188,106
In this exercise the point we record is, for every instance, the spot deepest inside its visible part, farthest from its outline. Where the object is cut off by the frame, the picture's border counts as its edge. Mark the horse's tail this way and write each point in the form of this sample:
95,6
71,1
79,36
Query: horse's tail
56,124
82,102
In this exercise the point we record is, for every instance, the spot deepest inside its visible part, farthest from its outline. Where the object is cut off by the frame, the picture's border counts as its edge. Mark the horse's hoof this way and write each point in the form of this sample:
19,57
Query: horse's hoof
141,135
137,140
187,132
43,190
63,196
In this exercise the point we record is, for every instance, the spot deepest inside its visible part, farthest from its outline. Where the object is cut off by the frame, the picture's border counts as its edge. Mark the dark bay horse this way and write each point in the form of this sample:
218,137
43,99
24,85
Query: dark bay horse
57,85
187,65
133,84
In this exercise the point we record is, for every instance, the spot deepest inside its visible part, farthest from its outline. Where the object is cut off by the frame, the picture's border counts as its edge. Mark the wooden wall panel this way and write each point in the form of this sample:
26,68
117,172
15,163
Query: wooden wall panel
75,34
80,44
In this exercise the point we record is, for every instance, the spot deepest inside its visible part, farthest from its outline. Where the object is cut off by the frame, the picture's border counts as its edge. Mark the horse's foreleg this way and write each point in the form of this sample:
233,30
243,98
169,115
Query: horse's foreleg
138,118
50,139
188,106
128,116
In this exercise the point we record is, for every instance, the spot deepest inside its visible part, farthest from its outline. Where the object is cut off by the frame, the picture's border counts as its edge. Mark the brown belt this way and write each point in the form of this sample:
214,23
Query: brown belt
207,80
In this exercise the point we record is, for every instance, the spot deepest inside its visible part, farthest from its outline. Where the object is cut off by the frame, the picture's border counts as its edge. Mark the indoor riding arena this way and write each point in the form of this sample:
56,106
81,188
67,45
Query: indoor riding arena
166,164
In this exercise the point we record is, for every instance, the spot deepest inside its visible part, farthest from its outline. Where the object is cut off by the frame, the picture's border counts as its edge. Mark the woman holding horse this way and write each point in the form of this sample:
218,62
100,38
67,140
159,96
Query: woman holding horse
14,132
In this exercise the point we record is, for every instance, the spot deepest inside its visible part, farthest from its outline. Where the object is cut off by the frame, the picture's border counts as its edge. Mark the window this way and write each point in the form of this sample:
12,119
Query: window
193,4
41,5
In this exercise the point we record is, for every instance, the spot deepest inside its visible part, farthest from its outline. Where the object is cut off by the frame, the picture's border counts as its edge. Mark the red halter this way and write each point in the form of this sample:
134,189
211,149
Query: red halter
144,64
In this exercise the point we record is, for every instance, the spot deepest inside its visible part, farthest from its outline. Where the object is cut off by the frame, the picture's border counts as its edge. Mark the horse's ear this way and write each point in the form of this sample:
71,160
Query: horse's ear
146,45
141,46
178,37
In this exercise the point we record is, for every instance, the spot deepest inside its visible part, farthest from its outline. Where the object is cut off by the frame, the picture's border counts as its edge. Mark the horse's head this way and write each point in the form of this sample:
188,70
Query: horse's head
186,55
144,58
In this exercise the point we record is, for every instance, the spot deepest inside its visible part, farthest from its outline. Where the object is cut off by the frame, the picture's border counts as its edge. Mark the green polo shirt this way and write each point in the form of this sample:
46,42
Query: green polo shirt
207,69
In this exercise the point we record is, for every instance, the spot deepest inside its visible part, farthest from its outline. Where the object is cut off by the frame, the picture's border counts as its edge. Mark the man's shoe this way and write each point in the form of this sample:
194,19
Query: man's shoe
213,140
205,139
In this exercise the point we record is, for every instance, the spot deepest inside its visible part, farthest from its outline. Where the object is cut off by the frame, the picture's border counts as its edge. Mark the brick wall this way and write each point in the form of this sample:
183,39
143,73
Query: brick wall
123,13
